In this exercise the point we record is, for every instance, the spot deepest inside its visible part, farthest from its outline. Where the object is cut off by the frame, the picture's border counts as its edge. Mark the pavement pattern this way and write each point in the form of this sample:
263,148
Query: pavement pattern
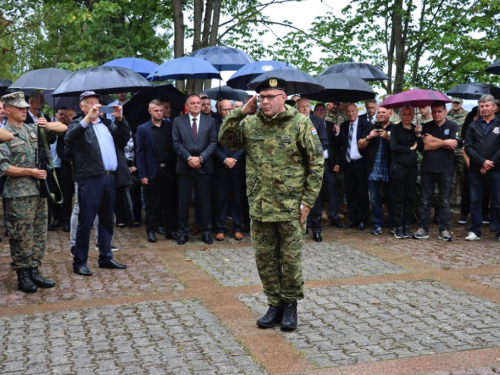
373,305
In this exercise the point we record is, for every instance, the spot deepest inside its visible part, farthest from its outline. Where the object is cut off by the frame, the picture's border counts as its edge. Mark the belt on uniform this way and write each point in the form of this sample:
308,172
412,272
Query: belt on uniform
107,173
355,160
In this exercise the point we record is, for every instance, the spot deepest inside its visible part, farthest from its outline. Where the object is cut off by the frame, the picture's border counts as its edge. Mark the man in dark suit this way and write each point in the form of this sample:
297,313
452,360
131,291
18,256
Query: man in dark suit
354,167
228,184
195,139
156,166
371,111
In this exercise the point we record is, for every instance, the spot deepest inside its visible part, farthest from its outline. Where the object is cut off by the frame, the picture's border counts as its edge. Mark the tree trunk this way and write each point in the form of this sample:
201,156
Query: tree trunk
397,26
178,18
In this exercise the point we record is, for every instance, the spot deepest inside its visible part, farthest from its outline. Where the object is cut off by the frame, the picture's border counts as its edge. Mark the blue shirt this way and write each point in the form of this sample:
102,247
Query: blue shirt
106,145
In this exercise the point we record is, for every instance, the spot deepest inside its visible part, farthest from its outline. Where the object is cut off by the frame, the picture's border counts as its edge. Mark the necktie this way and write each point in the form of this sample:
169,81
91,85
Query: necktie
195,130
349,140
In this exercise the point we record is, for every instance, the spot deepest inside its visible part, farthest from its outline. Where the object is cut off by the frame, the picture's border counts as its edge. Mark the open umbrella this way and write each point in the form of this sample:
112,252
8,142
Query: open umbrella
225,92
297,81
4,85
40,79
223,58
364,71
102,80
247,73
342,88
415,98
184,68
140,66
494,68
473,91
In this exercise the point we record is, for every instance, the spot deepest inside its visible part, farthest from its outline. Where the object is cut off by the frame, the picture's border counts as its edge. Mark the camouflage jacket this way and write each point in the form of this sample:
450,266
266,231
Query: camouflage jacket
284,161
459,117
21,152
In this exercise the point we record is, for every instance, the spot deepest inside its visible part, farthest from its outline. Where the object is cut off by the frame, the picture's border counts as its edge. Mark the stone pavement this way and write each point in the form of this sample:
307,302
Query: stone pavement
373,305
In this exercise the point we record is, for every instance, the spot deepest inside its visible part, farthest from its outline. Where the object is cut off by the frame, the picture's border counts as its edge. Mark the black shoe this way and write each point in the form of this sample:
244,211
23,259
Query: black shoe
161,230
112,264
207,239
399,233
289,320
376,230
51,228
172,236
317,237
362,225
272,317
25,284
151,236
182,240
337,223
82,270
66,227
351,224
39,280
56,223
72,250
406,231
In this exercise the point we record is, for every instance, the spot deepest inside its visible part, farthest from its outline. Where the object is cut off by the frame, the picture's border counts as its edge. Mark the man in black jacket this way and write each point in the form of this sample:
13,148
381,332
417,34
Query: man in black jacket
98,145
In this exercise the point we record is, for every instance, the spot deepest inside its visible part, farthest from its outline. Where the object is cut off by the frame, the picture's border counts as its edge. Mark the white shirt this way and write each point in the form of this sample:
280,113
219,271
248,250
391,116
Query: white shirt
355,155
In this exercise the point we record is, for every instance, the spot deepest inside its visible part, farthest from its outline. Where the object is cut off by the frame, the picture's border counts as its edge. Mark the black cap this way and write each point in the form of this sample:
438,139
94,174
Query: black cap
271,84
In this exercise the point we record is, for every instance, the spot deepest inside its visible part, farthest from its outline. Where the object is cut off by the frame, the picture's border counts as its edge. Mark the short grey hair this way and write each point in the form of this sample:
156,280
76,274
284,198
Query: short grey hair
487,98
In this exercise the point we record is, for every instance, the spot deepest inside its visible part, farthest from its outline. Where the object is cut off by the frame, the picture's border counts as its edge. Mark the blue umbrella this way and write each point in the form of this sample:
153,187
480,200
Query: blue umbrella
184,68
242,77
140,66
223,58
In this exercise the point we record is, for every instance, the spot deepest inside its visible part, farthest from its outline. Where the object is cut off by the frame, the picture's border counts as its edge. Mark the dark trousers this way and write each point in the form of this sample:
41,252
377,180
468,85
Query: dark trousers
478,182
160,197
54,209
228,194
465,203
122,216
202,183
330,188
403,182
356,189
428,182
68,190
96,195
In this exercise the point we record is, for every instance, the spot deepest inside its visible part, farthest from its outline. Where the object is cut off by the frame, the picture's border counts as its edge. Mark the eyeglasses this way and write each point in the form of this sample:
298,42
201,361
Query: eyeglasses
320,110
268,97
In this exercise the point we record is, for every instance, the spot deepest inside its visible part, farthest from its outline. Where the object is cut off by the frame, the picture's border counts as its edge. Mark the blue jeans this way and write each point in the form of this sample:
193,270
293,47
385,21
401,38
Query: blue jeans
477,183
428,182
379,190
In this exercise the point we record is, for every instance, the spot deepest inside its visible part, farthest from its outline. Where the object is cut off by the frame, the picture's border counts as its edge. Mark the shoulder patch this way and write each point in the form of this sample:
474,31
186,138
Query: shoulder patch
313,130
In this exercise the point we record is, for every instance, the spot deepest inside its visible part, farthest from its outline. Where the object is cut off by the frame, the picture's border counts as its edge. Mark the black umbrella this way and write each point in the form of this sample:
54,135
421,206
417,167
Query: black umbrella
297,81
473,91
494,68
4,85
136,109
41,79
102,80
225,92
342,88
364,71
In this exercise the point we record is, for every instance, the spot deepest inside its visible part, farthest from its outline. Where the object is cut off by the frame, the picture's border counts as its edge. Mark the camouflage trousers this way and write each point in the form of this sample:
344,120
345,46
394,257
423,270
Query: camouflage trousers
27,226
278,256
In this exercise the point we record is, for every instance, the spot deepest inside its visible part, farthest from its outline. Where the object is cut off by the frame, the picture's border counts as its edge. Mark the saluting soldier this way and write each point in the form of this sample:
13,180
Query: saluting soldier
284,172
26,210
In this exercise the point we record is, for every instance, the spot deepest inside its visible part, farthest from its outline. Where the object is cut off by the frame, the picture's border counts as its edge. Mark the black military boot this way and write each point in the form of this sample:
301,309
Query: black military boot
289,320
39,280
24,281
272,317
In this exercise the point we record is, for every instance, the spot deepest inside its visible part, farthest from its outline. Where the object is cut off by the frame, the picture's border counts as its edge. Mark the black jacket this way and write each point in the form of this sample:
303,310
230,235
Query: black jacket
370,152
481,147
87,154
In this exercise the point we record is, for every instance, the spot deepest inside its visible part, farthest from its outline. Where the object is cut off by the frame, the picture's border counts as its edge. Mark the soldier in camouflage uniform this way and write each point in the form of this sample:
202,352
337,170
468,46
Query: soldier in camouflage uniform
457,114
26,210
284,172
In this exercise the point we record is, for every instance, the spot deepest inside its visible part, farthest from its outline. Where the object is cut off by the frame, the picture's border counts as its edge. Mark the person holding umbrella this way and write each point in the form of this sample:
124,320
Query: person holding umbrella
26,210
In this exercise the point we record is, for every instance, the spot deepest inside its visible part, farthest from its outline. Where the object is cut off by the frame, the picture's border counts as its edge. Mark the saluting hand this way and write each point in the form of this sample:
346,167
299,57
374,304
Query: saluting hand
250,106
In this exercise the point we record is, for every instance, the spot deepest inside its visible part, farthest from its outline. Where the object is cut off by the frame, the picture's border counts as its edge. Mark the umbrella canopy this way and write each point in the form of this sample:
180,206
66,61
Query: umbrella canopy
297,81
364,71
71,102
494,68
225,92
140,66
223,58
473,91
4,85
247,73
415,98
342,88
184,68
102,80
40,79
136,109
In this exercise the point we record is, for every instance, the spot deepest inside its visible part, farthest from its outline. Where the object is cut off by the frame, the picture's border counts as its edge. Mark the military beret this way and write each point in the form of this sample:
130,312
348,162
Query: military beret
15,99
457,100
271,84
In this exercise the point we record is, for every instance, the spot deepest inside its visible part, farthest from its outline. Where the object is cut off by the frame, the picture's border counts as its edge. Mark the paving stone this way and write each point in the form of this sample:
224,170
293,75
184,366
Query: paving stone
476,371
169,351
320,261
355,337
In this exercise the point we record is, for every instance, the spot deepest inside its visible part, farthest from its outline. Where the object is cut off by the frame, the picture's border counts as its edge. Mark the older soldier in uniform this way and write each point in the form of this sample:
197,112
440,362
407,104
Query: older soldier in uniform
26,210
284,174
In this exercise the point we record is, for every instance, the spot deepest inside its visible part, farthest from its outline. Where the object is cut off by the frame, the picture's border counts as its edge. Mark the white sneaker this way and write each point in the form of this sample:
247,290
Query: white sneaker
472,237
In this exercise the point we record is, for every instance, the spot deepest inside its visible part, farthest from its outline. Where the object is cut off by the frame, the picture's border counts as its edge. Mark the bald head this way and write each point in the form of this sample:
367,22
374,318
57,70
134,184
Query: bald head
304,106
224,107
